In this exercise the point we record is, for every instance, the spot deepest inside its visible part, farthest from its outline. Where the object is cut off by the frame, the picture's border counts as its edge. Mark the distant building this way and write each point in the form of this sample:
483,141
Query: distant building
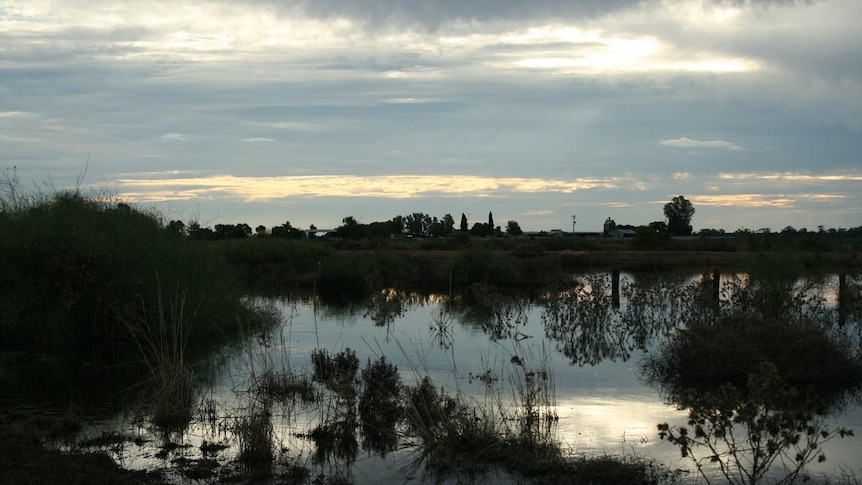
611,230
622,232
610,225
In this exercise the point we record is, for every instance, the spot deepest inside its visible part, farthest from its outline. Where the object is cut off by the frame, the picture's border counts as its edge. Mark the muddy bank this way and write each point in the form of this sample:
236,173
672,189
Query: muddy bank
28,457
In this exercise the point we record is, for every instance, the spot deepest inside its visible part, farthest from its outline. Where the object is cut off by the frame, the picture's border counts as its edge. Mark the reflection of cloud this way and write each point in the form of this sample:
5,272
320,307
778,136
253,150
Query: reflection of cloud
685,142
392,187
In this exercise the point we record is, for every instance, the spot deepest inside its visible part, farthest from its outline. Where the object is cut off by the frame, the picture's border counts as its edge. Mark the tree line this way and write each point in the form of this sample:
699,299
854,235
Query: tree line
678,215
416,224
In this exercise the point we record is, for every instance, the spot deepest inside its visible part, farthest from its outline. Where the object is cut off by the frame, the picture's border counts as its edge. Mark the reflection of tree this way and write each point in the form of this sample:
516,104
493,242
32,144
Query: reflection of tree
386,305
499,315
378,406
655,309
585,323
589,329
758,379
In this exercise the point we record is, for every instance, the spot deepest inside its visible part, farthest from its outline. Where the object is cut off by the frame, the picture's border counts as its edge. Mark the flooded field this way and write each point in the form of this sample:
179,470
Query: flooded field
334,390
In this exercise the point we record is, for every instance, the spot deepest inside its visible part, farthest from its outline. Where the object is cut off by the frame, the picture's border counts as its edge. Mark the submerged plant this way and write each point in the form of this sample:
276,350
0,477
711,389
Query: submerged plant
440,328
254,433
380,407
533,390
336,373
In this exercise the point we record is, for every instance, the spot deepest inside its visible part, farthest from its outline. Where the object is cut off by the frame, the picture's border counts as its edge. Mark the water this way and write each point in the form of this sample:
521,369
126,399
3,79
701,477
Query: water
603,406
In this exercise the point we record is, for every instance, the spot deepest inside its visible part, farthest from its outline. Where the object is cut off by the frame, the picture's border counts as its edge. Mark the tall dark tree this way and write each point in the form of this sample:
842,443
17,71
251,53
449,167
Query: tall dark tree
678,213
490,220
464,226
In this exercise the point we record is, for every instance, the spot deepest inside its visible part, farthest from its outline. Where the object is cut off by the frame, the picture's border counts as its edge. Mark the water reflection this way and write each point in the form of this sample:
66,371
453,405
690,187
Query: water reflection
719,346
501,316
758,378
590,327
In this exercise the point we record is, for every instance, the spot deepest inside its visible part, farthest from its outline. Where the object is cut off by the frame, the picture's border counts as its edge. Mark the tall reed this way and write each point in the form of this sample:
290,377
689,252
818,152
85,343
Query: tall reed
161,335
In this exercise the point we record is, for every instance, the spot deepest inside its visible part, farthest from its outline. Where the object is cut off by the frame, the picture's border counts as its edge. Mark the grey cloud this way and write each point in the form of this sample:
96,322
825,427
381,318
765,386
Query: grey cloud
432,14
685,142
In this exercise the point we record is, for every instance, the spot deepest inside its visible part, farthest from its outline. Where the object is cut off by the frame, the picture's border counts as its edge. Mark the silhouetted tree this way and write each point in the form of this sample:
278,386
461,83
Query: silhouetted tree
351,229
418,224
490,220
176,227
232,231
480,229
464,226
679,212
658,226
513,228
287,231
447,224
196,231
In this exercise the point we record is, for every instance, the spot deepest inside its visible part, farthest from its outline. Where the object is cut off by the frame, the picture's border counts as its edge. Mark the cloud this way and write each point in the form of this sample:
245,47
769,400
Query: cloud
791,177
175,136
538,106
383,186
15,114
258,140
685,142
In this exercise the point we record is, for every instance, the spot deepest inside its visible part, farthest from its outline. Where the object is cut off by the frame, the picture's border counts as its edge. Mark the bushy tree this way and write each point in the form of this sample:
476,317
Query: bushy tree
287,231
351,229
513,228
679,212
418,224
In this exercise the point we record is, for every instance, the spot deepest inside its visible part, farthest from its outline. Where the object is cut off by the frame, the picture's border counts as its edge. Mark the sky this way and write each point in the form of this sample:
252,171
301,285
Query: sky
310,111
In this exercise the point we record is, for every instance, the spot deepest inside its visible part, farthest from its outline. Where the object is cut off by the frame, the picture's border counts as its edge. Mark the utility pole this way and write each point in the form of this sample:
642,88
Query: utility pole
573,226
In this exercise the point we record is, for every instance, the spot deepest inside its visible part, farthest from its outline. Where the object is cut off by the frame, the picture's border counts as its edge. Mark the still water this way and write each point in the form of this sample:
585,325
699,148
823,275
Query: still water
602,404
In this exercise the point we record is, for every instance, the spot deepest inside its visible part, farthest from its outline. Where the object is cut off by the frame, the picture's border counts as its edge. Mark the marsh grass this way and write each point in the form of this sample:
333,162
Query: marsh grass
512,428
72,260
255,437
161,336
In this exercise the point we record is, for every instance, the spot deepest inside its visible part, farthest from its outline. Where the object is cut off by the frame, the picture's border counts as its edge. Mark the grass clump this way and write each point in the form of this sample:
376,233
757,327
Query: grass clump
254,433
161,340
380,406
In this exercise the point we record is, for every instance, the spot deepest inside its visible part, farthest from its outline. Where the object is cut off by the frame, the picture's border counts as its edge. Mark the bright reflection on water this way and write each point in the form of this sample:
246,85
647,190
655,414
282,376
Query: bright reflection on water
603,408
